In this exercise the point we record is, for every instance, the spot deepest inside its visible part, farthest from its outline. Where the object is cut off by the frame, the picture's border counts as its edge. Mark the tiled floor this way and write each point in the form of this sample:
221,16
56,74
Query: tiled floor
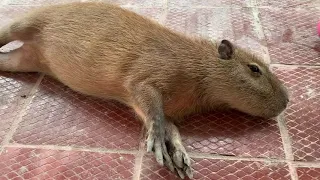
47,131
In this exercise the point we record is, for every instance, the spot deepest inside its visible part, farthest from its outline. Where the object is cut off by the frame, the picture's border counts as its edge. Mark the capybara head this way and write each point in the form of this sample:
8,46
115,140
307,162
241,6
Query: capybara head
247,84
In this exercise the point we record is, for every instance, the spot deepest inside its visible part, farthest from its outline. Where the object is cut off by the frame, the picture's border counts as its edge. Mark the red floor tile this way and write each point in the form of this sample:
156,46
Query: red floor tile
303,113
308,173
7,13
208,3
60,116
38,2
153,13
206,169
140,3
232,133
288,3
45,164
13,87
152,171
291,35
137,3
234,24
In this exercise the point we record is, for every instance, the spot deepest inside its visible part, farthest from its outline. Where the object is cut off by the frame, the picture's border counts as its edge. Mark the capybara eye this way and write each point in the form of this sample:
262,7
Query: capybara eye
254,68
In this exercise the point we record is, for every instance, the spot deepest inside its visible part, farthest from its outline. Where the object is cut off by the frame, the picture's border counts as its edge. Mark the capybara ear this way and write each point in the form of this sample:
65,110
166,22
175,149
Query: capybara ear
226,50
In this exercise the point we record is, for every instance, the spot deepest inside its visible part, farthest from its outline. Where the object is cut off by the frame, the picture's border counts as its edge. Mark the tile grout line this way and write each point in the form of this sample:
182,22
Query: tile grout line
259,30
294,65
252,3
139,157
285,137
233,158
293,171
70,148
142,146
141,149
286,142
18,119
4,2
306,164
163,18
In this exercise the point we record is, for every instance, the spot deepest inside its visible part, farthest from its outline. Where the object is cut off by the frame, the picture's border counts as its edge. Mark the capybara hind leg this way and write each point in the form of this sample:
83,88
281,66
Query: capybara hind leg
21,29
5,36
19,60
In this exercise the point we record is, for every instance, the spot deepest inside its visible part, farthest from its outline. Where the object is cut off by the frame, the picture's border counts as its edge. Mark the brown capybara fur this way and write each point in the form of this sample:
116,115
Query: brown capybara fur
105,51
